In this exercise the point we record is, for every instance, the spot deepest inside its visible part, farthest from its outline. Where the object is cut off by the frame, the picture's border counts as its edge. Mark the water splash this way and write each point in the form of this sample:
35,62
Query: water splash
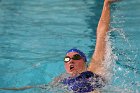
110,57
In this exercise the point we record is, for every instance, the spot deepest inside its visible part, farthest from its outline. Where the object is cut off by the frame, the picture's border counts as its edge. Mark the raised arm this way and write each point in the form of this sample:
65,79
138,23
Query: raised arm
96,64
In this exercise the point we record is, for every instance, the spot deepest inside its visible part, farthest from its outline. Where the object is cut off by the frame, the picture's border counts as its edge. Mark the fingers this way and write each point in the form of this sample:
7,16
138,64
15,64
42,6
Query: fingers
111,1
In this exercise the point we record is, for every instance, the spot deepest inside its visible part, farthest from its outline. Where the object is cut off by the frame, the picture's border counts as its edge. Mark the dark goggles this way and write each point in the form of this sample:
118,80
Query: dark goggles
75,57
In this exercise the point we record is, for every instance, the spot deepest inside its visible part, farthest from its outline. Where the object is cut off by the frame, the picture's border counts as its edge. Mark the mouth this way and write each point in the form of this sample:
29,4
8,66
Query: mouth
71,67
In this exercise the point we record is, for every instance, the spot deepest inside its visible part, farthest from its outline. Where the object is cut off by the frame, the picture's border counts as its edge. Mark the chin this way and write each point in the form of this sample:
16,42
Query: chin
71,72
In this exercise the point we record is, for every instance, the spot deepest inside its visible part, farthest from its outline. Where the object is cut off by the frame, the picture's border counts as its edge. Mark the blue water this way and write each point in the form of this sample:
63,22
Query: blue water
34,36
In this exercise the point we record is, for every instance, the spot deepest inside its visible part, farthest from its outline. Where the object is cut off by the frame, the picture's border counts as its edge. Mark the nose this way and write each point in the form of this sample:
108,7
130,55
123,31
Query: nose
71,61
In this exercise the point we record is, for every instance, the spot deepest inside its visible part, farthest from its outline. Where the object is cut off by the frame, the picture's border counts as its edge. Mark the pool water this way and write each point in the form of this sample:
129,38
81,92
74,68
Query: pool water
34,36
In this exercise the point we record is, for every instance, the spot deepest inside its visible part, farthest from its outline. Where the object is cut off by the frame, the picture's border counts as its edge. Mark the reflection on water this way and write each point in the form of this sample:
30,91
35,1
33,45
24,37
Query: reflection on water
34,36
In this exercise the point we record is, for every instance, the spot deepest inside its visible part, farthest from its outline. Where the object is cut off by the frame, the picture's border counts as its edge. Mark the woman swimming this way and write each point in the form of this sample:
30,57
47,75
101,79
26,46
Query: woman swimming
82,78
91,78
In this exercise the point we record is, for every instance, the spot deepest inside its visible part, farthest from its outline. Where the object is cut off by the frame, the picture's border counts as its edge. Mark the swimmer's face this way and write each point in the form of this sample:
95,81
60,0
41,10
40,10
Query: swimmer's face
74,63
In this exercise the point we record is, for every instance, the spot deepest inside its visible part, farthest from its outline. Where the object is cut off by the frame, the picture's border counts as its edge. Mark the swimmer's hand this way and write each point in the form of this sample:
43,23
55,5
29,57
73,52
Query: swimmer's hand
111,1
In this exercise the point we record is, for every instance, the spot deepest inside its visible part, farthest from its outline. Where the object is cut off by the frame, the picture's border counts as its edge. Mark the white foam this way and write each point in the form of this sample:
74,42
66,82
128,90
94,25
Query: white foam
110,58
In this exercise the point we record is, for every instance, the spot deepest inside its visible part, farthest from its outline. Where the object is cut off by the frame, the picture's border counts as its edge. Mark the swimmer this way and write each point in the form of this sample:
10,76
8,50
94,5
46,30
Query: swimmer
91,78
82,78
